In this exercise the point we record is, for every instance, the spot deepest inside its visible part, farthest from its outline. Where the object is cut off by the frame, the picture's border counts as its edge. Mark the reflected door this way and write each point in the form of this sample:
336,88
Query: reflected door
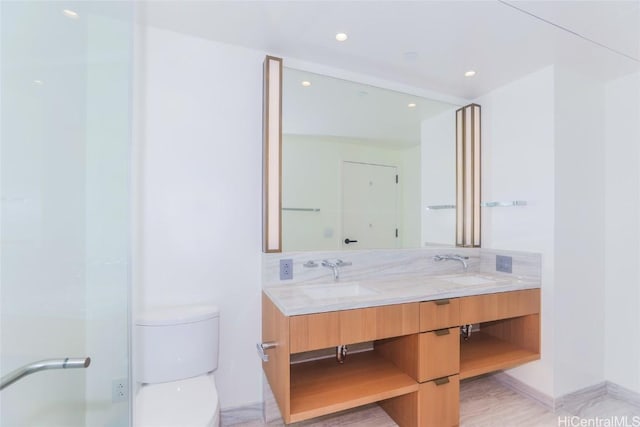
370,205
64,162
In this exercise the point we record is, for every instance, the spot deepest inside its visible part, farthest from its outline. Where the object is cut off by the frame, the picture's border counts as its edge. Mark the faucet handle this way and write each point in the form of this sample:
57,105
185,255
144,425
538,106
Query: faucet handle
341,263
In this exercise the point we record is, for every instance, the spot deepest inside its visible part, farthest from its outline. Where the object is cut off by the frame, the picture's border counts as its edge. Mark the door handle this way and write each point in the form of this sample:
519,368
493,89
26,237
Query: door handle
347,241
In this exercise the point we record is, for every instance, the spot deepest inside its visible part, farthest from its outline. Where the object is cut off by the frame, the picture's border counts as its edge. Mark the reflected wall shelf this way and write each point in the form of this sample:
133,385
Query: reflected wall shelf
483,204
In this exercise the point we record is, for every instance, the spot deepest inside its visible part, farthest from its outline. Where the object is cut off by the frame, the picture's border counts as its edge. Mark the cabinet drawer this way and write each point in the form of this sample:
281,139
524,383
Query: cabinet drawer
485,308
368,324
439,354
322,330
439,314
314,331
439,402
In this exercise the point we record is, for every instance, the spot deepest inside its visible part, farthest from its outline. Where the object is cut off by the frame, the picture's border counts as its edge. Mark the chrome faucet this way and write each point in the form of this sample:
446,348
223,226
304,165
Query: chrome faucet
455,257
335,266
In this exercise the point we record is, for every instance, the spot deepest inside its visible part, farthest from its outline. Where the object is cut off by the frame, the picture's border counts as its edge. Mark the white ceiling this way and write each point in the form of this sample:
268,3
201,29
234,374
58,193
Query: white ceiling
501,40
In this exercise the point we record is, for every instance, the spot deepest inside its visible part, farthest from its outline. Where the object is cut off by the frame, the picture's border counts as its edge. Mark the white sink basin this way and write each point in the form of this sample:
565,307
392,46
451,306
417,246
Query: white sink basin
338,290
468,280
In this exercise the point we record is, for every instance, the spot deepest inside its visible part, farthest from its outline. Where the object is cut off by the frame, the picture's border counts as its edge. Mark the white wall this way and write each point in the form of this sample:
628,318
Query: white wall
579,232
622,242
201,194
518,164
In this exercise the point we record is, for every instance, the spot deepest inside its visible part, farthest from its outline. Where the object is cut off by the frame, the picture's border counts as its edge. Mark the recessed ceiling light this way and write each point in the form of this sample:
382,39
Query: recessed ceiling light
412,105
70,14
470,73
341,37
38,82
306,83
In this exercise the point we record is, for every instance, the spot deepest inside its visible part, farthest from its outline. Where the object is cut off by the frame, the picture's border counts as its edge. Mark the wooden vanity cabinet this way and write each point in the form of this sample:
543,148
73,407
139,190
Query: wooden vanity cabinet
418,356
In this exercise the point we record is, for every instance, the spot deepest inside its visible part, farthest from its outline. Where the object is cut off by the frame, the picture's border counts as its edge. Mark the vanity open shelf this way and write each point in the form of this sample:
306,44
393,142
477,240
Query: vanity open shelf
484,353
324,386
417,360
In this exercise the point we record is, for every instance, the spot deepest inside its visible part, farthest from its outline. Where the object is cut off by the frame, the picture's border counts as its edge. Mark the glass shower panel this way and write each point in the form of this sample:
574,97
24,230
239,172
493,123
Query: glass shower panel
64,167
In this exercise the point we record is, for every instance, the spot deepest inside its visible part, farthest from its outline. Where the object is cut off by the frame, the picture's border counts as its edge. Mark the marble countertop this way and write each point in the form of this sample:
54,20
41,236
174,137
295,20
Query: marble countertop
299,299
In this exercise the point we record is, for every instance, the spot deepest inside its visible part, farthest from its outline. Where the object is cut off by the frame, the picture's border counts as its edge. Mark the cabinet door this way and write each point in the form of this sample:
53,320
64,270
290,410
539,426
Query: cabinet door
440,402
439,314
485,308
439,354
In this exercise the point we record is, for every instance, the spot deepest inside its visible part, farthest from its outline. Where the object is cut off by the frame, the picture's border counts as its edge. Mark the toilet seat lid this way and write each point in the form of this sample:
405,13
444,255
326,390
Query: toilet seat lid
191,402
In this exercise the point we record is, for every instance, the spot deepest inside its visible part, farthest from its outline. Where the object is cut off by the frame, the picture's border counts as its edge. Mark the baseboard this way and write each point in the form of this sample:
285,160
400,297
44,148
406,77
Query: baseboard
242,414
525,390
570,400
628,396
578,398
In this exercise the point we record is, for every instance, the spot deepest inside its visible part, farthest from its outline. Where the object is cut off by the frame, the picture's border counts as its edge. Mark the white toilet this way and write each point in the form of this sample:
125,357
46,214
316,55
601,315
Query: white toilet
178,352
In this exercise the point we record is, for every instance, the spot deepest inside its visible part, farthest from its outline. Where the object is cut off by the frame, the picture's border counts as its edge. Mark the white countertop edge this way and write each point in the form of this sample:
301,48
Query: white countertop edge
377,300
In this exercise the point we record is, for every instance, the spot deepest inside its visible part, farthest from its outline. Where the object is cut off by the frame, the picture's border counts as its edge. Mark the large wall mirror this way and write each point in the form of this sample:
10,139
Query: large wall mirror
364,167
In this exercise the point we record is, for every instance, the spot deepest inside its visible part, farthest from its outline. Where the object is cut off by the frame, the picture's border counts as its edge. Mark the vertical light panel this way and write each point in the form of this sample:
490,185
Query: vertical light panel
468,176
272,155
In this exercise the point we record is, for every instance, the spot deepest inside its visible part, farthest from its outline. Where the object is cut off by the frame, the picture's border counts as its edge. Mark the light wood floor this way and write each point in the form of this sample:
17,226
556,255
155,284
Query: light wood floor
484,402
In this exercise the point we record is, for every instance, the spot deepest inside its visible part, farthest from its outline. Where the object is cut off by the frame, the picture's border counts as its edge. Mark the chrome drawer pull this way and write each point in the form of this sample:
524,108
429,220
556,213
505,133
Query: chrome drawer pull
442,301
441,332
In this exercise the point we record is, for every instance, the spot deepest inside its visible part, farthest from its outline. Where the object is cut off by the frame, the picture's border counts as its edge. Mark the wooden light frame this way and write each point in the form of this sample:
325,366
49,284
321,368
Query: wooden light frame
468,176
272,155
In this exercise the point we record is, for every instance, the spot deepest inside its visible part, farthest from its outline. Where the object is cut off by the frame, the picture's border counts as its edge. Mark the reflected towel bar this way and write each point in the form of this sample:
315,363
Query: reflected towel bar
67,363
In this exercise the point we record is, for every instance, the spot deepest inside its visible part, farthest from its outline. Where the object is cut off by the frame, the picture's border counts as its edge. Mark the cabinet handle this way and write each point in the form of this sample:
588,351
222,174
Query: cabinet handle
442,301
441,381
262,347
441,332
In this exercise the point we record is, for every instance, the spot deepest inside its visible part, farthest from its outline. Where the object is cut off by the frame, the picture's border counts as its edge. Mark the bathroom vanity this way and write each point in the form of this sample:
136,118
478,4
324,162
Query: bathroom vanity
417,357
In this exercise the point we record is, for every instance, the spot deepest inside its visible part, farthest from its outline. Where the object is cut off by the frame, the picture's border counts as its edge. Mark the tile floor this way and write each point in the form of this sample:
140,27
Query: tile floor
484,402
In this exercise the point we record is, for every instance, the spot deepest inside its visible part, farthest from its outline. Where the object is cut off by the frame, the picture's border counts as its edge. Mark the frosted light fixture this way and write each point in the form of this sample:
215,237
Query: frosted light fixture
306,83
468,176
272,155
70,14
341,37
470,73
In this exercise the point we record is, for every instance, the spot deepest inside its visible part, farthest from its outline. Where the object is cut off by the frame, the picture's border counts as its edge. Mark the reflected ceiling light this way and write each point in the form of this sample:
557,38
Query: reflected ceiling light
38,82
341,37
411,105
70,14
468,176
470,73
306,83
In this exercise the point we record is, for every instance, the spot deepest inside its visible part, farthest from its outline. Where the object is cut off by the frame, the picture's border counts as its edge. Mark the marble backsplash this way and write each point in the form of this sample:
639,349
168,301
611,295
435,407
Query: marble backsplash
384,264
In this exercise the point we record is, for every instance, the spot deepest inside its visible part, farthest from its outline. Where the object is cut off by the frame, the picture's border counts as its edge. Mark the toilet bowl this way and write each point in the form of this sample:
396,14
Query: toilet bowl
177,354
188,403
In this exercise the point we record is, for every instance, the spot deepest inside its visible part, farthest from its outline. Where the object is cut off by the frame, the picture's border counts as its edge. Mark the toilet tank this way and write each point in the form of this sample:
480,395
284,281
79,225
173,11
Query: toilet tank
176,343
